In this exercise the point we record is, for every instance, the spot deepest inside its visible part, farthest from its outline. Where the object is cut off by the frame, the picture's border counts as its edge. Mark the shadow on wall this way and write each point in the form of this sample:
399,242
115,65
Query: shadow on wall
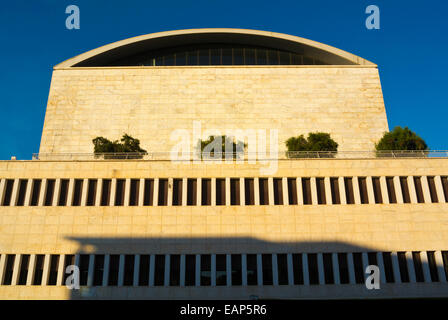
249,268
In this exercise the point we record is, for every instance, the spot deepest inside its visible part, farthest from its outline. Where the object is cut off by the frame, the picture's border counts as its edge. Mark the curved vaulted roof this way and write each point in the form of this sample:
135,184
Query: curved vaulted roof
109,54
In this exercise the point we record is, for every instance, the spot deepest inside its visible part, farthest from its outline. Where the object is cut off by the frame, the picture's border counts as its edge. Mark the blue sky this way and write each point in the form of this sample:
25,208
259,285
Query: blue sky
410,49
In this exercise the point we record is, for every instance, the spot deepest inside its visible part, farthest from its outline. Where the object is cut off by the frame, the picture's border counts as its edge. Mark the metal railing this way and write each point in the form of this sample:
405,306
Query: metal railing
288,155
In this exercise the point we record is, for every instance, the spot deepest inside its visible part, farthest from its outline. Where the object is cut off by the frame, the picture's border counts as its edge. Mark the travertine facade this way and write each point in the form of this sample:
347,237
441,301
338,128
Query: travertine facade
374,226
387,227
151,229
151,102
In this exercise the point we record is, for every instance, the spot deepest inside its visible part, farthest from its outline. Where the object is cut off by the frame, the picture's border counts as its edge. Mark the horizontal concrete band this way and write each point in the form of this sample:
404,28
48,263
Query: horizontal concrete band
347,291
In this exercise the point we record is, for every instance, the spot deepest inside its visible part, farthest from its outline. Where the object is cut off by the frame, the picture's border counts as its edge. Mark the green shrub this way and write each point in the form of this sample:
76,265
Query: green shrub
128,145
401,139
237,147
317,141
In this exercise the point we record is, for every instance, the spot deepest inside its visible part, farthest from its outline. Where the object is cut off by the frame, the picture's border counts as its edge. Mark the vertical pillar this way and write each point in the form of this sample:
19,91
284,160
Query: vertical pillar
57,189
380,260
16,269
299,191
106,269
152,263
170,192
61,270
313,191
141,192
127,192
71,183
411,267
356,193
328,199
398,191
244,269
29,190
306,274
15,193
228,194
90,272
351,268
121,270
2,190
113,191
166,277
342,193
213,270
285,191
365,263
229,269
31,266
43,188
2,266
439,189
198,271
425,188
440,268
184,191
256,191
259,270
336,274
155,197
46,271
425,266
136,270
290,269
242,193
274,270
396,267
384,193
99,189
412,192
320,268
29,186
370,193
85,185
271,191
213,191
182,270
199,192
77,259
